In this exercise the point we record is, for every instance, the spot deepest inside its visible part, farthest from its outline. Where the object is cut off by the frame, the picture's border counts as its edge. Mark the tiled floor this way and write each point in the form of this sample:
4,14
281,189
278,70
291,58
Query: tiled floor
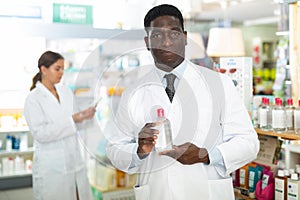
17,194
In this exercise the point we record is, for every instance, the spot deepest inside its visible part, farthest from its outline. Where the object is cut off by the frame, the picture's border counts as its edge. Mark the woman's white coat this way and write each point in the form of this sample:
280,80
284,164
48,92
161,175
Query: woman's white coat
58,166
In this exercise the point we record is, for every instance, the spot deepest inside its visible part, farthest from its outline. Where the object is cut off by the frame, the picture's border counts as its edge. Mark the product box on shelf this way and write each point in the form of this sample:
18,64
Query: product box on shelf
269,151
239,69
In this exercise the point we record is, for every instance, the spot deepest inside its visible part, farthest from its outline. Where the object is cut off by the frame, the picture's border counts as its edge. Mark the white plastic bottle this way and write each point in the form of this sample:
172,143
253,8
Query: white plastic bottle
164,140
19,164
280,186
289,110
297,119
278,117
23,141
293,189
8,142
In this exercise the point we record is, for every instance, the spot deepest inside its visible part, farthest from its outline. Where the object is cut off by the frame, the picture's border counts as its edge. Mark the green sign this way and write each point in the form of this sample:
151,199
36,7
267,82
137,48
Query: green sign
72,14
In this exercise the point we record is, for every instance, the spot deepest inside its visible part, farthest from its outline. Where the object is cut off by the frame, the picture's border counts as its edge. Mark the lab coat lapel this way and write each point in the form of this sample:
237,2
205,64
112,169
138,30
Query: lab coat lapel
57,111
154,80
47,93
185,98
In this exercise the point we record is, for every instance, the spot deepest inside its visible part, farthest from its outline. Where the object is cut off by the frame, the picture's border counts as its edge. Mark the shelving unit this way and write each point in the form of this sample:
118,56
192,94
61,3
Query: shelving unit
292,153
14,130
29,150
15,181
9,179
286,135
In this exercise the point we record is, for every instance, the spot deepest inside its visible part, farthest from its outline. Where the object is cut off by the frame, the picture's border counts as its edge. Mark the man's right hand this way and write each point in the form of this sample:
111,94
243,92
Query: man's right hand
147,138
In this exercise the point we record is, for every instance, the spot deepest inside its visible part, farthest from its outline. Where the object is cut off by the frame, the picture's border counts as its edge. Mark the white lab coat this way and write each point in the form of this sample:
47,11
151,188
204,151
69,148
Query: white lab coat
169,179
58,166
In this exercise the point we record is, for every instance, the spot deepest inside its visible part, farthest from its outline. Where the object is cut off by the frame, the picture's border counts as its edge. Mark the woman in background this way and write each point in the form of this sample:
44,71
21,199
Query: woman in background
58,168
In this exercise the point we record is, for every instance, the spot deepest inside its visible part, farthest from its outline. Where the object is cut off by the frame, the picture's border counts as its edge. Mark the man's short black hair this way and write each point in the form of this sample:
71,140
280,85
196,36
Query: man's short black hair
162,10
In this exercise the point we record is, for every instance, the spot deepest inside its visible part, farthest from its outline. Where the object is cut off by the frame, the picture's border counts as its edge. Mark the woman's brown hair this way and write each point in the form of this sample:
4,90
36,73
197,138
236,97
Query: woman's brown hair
47,59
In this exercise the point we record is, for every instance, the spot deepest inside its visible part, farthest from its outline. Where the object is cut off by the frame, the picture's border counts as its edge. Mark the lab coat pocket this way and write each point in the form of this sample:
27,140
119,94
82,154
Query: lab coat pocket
141,192
52,161
221,189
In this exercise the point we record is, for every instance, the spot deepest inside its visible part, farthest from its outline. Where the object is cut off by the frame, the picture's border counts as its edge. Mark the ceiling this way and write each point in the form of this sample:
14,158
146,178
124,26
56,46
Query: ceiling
249,11
238,12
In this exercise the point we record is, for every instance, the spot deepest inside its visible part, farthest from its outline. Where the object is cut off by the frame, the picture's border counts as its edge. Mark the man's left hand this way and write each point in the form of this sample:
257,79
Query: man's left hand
188,154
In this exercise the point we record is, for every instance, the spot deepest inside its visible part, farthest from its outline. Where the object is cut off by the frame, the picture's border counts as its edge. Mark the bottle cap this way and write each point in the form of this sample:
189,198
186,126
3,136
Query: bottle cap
286,172
294,176
278,102
290,101
263,100
280,173
267,101
160,112
299,102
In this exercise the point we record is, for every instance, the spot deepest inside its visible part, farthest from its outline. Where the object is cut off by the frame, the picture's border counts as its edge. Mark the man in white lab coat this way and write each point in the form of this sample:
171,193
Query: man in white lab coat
212,132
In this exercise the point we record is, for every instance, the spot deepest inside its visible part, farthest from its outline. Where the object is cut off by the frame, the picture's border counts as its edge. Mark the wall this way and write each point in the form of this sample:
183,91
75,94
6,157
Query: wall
265,32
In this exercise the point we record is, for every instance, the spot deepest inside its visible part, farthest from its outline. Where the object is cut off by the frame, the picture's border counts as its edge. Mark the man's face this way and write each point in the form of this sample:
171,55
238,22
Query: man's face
166,40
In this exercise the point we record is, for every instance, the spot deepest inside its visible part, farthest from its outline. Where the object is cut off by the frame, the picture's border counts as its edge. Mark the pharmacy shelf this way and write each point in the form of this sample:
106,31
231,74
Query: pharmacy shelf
286,135
8,111
14,130
292,155
19,179
15,181
17,152
293,148
21,174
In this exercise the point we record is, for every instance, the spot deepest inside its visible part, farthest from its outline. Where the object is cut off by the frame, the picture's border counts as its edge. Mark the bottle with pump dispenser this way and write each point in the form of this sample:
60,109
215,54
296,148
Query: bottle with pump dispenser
278,117
265,115
164,140
297,119
289,110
